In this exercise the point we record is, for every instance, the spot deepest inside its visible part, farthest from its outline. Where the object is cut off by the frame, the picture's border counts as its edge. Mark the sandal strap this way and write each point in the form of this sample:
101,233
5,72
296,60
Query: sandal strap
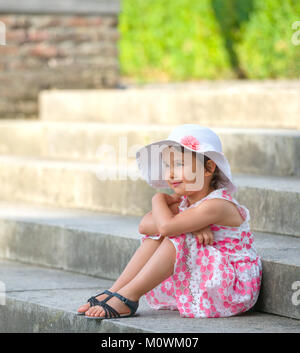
131,304
94,301
104,292
109,309
107,315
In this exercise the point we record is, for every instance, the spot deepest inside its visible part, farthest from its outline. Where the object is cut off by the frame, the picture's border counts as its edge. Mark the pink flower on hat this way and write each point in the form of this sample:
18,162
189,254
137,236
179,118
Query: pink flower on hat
191,142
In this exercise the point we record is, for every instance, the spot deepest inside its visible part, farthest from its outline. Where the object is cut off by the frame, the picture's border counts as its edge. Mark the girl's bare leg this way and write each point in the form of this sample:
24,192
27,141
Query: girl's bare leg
136,263
158,268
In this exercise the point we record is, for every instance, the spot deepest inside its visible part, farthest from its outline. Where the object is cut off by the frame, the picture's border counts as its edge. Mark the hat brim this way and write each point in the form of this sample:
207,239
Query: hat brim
143,158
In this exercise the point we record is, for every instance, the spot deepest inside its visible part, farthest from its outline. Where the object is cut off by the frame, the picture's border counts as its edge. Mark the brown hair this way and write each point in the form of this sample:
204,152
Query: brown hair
218,180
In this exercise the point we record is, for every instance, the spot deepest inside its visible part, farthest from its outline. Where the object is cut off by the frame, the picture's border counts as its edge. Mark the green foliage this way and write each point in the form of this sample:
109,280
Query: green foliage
231,14
163,40
267,49
174,39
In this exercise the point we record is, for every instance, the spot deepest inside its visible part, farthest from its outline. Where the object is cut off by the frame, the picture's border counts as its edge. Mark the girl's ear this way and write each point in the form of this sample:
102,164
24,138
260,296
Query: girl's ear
211,165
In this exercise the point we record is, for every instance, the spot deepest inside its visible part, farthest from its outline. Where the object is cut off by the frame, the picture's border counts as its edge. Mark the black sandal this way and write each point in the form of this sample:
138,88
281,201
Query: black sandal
94,301
109,311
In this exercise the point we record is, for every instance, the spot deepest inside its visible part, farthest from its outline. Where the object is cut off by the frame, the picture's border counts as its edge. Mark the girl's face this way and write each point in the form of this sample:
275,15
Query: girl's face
182,175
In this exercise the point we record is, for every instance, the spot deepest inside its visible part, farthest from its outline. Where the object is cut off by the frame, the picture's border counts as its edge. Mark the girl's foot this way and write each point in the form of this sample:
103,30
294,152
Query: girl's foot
114,302
83,308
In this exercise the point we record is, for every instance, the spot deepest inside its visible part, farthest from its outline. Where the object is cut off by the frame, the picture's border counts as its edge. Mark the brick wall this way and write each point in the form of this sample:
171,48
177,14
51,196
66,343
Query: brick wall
55,50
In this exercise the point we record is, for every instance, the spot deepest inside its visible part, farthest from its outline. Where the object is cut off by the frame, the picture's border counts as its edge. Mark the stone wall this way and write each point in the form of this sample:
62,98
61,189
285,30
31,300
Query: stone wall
51,46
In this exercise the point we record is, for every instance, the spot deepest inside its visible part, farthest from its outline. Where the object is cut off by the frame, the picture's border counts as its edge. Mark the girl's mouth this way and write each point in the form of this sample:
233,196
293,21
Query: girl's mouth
176,184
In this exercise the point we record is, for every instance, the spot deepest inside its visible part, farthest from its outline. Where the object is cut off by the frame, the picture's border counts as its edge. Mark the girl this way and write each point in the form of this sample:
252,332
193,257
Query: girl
195,257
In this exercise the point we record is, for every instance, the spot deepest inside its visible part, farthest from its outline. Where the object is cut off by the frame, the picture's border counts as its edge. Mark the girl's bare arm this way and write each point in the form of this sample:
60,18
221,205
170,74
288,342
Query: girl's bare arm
148,226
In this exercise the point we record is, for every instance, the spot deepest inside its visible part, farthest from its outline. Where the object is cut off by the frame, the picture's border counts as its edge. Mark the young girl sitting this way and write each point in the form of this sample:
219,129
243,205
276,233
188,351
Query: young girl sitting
196,254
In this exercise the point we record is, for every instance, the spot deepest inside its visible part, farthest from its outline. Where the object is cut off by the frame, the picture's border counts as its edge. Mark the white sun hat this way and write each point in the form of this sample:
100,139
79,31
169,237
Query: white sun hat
193,137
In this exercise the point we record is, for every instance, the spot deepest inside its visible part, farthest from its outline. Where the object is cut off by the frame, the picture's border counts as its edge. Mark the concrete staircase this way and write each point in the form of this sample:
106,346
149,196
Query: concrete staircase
67,232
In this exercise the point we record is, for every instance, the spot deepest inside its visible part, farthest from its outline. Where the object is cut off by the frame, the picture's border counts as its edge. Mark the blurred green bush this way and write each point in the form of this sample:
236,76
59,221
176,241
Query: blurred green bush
175,40
267,49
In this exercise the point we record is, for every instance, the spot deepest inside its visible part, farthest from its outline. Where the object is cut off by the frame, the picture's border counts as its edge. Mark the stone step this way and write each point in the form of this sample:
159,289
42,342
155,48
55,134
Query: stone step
247,106
101,245
215,84
273,201
46,300
253,151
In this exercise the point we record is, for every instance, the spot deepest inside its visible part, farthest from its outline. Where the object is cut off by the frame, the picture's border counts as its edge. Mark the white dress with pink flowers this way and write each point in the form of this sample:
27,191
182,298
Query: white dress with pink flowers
216,280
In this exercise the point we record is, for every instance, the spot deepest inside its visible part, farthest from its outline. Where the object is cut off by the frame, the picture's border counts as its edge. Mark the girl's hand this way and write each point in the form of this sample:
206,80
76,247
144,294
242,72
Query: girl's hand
174,208
171,199
205,236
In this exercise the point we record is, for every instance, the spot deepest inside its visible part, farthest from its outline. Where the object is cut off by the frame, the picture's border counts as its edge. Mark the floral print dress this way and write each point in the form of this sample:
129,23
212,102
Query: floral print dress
216,280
